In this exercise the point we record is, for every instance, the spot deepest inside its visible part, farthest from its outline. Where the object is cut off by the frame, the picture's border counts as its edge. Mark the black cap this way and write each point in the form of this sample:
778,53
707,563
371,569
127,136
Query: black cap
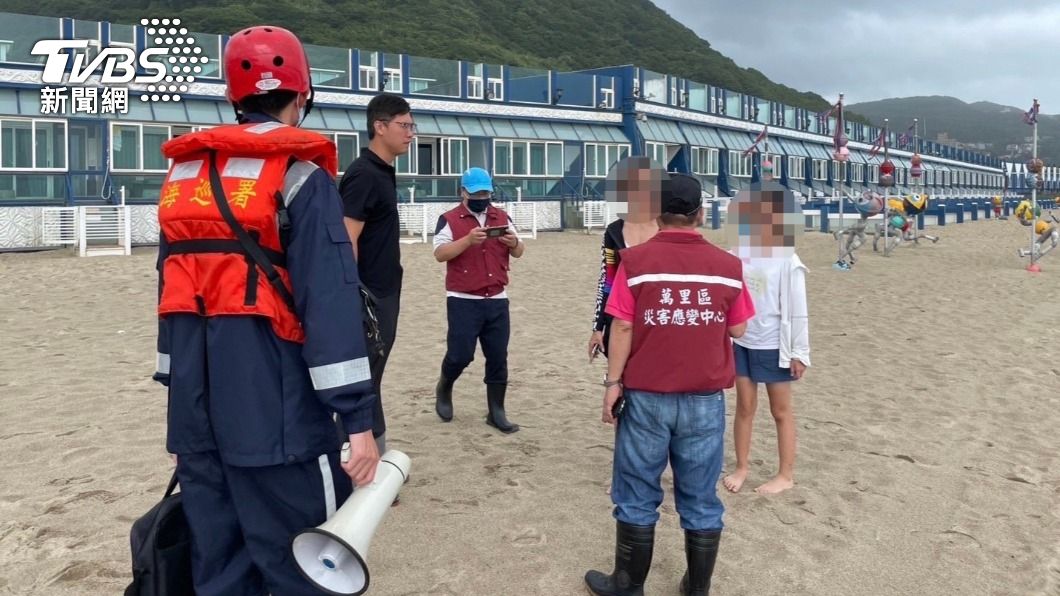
682,194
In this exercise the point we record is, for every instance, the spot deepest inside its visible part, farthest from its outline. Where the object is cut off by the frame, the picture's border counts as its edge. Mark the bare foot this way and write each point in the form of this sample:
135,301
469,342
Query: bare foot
776,485
734,481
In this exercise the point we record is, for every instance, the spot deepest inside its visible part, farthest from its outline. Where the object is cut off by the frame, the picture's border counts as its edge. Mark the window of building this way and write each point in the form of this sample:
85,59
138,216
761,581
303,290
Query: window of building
739,164
33,144
527,158
705,161
600,157
820,169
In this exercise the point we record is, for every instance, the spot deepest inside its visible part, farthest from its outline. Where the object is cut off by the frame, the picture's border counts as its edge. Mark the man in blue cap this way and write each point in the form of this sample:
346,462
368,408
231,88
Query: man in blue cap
475,240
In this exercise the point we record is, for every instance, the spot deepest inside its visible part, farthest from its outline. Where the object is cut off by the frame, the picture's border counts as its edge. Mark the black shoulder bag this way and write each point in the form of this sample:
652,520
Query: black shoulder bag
161,549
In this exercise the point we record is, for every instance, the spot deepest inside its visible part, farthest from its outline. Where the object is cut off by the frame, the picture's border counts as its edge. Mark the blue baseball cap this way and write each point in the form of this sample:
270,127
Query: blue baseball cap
476,180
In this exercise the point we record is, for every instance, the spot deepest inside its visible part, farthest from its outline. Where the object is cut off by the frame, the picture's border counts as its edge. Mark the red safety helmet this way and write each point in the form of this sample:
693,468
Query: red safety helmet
264,58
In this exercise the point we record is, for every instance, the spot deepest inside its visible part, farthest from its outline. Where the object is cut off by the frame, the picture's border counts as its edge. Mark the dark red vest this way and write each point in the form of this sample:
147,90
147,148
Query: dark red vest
682,288
481,270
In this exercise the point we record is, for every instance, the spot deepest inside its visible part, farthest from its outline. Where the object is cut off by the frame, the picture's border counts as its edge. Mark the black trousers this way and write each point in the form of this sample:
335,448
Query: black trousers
485,321
242,520
387,310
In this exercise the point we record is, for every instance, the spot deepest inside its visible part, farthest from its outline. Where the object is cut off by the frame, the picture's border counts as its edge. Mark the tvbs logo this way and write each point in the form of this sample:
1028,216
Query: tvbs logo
119,65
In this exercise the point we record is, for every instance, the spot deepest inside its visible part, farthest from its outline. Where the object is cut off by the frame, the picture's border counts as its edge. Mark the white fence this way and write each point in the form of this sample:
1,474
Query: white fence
594,215
94,230
413,218
104,230
59,226
524,216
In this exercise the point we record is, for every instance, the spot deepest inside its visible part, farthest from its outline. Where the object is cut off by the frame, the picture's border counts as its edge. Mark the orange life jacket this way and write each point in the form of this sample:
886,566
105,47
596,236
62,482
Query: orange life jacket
207,271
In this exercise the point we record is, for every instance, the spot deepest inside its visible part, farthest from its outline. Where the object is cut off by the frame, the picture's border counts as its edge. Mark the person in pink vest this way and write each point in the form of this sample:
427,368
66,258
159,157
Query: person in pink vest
677,302
476,240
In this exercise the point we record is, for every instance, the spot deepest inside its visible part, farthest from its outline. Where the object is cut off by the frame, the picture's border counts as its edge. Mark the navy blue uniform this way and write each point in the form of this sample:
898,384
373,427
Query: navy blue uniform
250,414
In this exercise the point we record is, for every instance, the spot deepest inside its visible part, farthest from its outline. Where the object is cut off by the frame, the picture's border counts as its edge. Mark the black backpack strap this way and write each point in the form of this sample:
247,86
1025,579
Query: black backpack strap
251,247
283,220
172,483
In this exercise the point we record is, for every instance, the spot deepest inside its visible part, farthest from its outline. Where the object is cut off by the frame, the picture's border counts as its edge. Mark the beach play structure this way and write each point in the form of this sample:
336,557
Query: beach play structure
899,224
1046,233
868,205
914,206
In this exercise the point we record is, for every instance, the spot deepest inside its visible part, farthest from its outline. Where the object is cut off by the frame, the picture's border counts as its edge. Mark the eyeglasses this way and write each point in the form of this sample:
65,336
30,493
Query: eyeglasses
408,126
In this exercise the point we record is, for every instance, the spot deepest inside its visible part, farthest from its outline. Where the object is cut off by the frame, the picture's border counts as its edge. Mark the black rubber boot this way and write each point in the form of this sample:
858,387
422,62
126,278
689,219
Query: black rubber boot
633,551
701,551
443,398
495,400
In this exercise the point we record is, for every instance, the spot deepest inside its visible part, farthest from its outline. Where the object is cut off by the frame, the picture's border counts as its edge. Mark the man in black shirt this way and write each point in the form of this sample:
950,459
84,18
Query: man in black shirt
369,196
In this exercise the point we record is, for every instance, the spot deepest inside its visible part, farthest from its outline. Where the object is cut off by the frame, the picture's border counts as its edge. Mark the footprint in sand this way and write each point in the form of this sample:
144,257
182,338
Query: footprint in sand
956,537
1015,478
74,572
100,495
792,516
26,434
111,573
524,486
471,445
526,537
81,452
529,449
55,509
422,481
494,469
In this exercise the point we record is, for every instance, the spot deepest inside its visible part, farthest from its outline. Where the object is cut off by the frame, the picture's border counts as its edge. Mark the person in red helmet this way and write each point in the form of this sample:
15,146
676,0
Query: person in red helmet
258,345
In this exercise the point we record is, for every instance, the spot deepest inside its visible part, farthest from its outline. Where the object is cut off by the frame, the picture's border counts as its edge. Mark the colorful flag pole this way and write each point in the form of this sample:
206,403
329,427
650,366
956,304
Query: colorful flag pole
1031,118
839,144
764,134
886,180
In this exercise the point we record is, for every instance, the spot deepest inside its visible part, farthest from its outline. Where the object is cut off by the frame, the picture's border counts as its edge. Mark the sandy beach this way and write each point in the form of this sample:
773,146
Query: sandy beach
928,460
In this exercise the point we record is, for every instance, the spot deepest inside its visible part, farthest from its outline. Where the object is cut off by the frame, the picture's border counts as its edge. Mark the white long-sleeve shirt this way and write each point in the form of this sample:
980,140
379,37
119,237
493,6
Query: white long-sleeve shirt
781,322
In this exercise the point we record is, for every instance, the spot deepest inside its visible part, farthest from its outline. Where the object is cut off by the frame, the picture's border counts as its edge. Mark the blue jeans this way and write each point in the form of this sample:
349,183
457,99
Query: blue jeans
686,429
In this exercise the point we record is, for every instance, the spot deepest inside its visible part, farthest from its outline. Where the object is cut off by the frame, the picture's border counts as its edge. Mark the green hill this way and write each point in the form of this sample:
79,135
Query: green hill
554,34
1000,129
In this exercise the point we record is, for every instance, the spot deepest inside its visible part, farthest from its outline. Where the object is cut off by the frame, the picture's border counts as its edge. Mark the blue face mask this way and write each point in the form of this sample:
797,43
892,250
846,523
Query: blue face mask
478,205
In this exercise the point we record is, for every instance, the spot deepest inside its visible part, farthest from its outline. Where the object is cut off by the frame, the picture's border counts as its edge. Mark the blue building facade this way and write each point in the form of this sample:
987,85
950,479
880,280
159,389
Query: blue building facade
545,135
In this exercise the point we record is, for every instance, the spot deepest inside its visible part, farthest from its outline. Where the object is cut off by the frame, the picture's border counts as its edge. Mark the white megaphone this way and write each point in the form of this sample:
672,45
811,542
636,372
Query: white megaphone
334,555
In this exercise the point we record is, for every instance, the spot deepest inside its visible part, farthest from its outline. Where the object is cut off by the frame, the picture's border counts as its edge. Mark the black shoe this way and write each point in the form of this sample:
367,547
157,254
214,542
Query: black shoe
633,552
495,401
701,551
443,396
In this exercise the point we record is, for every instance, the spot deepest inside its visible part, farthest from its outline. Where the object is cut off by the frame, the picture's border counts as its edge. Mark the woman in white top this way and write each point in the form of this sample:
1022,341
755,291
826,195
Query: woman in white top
775,350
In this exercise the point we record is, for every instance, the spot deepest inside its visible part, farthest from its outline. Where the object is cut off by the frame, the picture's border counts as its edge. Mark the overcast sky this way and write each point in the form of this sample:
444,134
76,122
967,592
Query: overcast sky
975,50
